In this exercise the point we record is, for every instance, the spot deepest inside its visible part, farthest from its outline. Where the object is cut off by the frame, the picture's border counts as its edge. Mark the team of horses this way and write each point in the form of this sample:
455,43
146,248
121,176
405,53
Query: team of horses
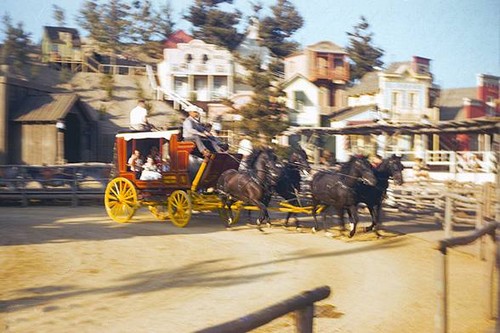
342,188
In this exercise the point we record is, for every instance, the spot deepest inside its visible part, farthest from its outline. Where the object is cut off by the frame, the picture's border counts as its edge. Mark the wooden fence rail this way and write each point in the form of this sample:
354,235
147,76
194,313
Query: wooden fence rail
302,304
73,182
442,274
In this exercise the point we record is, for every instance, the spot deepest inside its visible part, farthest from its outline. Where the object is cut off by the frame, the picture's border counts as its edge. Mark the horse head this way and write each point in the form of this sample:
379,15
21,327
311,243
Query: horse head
298,157
395,168
360,167
264,163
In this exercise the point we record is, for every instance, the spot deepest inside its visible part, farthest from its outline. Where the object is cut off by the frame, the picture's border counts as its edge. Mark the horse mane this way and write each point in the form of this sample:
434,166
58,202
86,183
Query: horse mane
252,158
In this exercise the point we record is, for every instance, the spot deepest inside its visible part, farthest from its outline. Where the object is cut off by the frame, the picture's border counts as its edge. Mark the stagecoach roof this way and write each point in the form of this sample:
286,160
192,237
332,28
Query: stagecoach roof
147,135
490,125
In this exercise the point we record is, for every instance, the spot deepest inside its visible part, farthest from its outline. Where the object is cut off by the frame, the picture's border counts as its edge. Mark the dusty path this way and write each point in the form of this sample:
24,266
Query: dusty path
73,270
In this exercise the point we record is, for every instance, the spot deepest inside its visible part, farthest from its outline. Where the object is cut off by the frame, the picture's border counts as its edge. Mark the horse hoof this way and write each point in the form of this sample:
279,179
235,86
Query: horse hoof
351,234
328,234
313,230
268,225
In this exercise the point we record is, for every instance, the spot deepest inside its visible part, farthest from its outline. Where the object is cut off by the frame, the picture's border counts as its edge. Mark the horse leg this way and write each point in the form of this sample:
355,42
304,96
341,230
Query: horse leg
353,216
314,208
371,209
228,204
375,212
263,214
342,220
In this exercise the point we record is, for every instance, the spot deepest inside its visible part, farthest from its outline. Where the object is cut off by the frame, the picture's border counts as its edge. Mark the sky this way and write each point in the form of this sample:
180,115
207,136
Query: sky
461,37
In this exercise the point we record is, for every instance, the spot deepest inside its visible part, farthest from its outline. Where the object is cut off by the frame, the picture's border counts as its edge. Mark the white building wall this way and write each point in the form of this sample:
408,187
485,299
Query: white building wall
309,113
197,69
296,65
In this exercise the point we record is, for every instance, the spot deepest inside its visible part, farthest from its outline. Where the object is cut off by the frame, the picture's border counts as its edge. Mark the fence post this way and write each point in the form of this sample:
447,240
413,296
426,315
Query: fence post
495,262
448,211
441,319
304,319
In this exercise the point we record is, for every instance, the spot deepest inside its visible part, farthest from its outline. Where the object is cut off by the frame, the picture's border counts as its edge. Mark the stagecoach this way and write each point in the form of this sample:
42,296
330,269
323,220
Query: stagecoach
186,186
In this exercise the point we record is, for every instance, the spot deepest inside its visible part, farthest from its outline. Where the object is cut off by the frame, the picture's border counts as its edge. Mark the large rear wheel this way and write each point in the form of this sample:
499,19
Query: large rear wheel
179,208
120,199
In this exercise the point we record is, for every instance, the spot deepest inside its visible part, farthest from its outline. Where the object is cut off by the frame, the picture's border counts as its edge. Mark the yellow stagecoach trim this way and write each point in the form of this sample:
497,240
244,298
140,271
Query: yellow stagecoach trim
120,199
159,211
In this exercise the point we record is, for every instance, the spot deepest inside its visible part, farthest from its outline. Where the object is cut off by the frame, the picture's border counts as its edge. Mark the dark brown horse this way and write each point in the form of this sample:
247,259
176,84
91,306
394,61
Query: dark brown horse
253,186
336,189
373,196
288,184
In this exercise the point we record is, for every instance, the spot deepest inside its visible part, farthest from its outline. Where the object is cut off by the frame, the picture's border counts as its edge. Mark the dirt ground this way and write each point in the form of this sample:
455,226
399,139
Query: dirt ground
69,269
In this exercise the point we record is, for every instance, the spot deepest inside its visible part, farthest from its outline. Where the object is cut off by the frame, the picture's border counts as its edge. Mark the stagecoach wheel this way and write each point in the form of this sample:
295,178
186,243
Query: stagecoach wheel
179,208
120,199
159,211
224,215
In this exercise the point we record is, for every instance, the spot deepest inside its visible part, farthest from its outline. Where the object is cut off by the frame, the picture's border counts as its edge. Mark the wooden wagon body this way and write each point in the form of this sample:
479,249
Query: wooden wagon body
187,185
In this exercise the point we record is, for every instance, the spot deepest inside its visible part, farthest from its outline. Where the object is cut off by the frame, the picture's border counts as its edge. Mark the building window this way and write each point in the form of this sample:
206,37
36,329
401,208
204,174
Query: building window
189,58
299,101
204,59
412,101
395,100
338,62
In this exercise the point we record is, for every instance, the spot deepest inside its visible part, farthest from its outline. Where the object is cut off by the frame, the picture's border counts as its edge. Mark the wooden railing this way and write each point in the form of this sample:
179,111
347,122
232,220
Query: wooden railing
73,182
442,276
302,305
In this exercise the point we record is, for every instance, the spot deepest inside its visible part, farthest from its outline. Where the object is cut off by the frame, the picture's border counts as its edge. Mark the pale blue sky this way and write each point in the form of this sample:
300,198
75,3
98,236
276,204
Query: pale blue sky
462,37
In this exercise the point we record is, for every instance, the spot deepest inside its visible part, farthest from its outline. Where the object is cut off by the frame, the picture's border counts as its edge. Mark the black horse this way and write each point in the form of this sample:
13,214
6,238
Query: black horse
373,196
336,189
253,186
288,184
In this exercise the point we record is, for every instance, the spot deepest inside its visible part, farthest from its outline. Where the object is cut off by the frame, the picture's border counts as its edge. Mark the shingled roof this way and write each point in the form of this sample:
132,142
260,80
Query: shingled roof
45,108
367,85
451,102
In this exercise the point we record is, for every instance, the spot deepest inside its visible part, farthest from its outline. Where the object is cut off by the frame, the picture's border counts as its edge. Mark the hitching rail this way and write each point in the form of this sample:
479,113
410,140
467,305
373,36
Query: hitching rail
302,304
442,276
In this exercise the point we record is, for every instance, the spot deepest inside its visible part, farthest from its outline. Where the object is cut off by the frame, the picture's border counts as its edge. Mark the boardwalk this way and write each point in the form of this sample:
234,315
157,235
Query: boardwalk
69,268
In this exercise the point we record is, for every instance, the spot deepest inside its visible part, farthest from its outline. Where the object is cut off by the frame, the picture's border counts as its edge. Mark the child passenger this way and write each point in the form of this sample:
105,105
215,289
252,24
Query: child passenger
150,170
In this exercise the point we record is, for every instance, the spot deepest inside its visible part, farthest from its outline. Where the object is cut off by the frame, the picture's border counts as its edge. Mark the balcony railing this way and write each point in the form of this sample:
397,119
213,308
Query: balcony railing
199,69
340,73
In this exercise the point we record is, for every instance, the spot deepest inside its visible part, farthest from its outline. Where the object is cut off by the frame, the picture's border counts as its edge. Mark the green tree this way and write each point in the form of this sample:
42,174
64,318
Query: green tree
90,19
116,20
266,113
58,15
364,55
16,45
142,14
164,22
214,25
276,30
108,24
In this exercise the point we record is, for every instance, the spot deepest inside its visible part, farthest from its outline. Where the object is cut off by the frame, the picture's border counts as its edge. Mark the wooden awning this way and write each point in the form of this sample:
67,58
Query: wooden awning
489,125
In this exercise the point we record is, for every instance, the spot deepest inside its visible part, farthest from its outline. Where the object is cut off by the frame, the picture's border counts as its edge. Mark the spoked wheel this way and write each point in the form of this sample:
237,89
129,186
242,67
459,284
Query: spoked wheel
159,211
224,215
179,208
120,199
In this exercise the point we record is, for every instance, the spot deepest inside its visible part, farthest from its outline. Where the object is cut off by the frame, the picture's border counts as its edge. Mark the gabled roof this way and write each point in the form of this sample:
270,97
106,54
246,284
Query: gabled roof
53,34
177,37
398,67
369,84
45,108
326,46
296,77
